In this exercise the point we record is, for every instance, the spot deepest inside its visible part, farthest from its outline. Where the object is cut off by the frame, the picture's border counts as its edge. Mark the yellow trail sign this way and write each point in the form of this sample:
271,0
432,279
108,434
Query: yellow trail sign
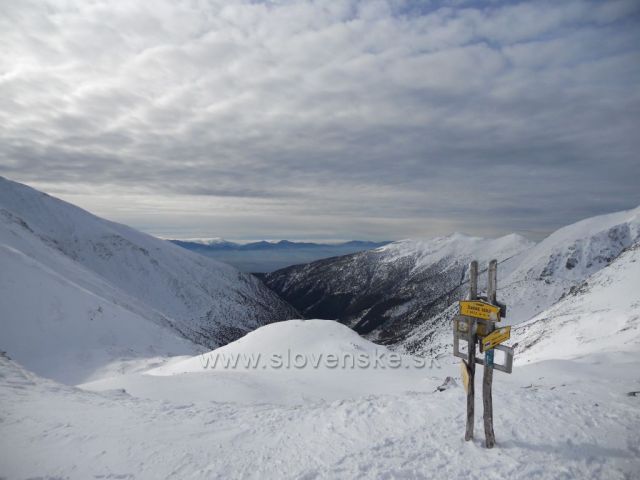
464,370
479,309
496,337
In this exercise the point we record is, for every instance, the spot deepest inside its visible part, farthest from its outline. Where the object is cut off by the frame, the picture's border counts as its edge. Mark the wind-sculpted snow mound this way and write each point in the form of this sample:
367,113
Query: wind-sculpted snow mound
285,363
289,341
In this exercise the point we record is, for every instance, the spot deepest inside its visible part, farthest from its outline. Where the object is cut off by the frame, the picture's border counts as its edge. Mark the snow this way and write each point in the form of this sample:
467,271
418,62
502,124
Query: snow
531,277
88,302
307,336
534,278
68,276
456,245
64,331
600,315
302,372
567,257
553,419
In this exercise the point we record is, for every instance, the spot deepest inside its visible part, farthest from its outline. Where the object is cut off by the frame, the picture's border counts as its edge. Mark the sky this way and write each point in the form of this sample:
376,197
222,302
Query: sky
325,119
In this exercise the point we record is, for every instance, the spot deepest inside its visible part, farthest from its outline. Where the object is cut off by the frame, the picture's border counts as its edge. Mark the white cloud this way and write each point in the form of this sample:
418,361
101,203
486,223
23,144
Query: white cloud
395,112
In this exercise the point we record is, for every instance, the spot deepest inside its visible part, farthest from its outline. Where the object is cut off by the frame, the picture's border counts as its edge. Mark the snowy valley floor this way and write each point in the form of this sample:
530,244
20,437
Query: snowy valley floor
554,419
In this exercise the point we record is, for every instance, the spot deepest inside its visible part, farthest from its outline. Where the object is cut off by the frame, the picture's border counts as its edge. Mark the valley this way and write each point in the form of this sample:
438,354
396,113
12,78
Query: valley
150,361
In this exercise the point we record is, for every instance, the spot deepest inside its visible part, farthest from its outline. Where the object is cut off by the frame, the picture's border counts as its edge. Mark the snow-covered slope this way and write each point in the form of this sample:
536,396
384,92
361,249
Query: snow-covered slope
425,253
65,269
539,277
386,292
565,259
404,294
64,331
600,315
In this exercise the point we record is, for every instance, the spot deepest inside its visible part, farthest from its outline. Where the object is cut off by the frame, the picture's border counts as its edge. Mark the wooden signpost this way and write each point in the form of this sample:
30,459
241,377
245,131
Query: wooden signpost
471,352
476,326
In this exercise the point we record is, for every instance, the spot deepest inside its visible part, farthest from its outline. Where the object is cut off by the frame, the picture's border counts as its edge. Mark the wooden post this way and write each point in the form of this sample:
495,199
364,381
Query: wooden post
473,280
487,378
471,354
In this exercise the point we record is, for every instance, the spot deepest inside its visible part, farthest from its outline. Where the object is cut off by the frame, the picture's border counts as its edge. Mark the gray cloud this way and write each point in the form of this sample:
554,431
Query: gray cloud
331,119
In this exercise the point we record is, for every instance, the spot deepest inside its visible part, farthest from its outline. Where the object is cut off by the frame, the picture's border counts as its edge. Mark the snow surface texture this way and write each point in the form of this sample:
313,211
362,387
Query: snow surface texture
553,419
78,286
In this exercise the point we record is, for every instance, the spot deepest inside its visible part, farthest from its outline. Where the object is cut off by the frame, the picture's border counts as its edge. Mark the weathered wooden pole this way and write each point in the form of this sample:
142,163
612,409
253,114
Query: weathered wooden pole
487,378
471,353
473,280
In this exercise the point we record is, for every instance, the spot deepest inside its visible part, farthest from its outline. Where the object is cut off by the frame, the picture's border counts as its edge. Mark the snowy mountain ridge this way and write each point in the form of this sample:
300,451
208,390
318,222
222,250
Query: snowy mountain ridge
424,253
387,292
537,278
404,294
564,259
77,264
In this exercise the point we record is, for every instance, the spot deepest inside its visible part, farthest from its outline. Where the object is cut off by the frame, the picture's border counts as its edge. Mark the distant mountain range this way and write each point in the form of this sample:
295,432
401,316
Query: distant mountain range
264,256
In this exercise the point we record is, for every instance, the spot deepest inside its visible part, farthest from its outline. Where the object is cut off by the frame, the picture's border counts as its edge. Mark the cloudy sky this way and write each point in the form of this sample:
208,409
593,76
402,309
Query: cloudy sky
325,119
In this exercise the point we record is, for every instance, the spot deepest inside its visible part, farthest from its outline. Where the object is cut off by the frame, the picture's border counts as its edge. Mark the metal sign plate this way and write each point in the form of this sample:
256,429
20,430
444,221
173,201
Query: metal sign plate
495,338
479,309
